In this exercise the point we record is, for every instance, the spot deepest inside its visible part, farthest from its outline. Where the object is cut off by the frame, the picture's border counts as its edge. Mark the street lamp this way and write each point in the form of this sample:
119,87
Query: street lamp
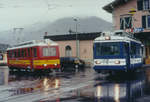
77,41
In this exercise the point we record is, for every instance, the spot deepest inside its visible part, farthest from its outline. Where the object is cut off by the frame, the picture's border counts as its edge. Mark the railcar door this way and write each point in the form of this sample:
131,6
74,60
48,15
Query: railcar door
127,55
34,56
30,57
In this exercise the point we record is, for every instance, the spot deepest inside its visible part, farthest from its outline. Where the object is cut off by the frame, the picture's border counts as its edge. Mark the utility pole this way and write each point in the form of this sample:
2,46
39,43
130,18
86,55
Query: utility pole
77,41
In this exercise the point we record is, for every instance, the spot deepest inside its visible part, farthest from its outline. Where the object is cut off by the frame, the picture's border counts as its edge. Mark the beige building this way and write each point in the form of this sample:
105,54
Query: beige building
80,45
132,16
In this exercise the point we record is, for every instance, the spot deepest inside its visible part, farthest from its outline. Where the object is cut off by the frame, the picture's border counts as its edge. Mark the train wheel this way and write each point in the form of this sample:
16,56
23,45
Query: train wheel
18,70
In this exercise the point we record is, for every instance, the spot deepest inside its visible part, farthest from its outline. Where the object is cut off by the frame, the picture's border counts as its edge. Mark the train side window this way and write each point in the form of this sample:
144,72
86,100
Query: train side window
29,52
22,52
18,52
10,54
15,52
25,53
34,52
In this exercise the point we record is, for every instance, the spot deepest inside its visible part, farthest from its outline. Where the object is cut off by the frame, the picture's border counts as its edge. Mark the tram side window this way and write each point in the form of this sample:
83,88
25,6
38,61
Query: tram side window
138,53
34,52
49,51
135,49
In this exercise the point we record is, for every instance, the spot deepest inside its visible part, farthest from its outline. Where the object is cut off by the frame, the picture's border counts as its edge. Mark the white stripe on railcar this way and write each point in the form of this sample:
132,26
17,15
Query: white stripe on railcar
109,62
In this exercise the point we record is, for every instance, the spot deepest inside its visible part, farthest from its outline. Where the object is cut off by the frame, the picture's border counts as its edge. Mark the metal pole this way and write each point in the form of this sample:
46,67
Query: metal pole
77,41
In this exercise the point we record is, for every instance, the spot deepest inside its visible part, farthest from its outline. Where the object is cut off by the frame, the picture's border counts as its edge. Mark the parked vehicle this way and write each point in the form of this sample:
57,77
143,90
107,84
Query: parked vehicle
34,55
71,62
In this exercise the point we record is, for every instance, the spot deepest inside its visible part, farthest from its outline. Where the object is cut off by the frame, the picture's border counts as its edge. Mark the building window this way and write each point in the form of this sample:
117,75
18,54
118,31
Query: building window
68,51
146,21
146,4
143,4
125,22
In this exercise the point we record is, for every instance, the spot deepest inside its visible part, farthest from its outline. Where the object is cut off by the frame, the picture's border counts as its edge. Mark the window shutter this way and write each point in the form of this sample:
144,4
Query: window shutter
144,21
140,4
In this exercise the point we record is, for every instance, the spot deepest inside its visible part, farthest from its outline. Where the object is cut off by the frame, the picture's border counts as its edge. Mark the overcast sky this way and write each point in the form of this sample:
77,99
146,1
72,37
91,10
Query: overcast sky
20,13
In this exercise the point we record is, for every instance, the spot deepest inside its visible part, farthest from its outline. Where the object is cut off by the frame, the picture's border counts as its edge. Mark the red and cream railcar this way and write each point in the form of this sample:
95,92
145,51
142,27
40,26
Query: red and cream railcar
43,54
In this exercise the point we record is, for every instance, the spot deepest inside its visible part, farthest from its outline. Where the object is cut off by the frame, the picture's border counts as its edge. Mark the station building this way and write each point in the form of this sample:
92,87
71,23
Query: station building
69,43
132,16
3,47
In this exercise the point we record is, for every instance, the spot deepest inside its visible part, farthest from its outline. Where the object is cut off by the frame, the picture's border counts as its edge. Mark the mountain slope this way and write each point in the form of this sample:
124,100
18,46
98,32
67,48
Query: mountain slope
61,26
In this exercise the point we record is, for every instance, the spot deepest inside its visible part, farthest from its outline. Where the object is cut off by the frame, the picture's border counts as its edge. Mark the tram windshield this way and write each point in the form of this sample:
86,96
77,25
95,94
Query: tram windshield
107,49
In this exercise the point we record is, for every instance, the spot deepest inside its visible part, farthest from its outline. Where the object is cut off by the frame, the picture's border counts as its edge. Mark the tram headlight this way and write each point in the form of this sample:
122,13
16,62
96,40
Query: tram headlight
117,62
55,64
97,62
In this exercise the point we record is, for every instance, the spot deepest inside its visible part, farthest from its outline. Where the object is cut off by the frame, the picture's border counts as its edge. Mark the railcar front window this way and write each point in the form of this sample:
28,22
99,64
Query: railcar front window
49,51
107,49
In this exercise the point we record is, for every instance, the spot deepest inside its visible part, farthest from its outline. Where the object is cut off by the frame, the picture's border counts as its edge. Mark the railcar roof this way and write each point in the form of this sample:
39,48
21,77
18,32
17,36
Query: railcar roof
116,36
45,42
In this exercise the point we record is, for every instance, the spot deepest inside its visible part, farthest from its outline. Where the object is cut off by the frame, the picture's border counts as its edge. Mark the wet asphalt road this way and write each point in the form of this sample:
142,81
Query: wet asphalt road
75,86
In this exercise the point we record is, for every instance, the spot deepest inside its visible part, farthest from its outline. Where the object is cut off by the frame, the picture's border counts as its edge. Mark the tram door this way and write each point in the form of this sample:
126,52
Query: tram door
127,55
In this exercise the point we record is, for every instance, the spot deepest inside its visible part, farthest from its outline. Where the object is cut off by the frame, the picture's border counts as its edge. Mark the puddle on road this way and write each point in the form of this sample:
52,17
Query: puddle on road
120,90
42,85
4,73
109,90
28,83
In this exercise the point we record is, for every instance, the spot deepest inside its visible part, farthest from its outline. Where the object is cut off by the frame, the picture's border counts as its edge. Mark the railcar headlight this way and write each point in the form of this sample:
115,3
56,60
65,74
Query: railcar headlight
117,62
44,65
55,64
97,62
107,38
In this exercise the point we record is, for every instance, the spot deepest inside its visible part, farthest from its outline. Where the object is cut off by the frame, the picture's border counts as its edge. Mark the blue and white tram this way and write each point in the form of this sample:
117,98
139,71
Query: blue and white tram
117,52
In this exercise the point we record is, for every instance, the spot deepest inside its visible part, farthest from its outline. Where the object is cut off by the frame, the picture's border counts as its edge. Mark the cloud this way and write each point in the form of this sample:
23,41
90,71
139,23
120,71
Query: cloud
26,12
